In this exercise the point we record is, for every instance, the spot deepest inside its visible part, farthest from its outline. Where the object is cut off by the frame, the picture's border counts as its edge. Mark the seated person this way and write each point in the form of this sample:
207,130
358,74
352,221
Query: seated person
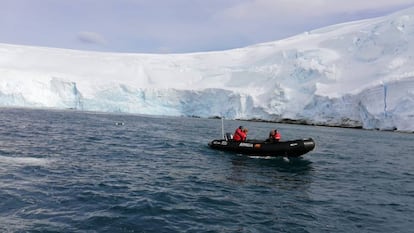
240,134
274,136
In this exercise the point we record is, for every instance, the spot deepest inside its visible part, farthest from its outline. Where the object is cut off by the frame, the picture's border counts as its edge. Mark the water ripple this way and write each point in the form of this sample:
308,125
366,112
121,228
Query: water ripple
68,171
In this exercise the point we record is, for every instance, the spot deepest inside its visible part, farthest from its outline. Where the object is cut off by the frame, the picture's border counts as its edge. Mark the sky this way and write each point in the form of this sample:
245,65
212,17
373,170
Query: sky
174,26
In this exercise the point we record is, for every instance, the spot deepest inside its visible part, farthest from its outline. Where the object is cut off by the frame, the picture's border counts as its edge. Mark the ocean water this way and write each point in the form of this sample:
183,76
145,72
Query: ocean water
69,171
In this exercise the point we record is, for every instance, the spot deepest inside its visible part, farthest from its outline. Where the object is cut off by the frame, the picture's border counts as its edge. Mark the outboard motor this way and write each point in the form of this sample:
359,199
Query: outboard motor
228,136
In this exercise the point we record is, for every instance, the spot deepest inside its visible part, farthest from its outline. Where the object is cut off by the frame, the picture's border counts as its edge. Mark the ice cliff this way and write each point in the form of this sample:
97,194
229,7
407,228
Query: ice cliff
356,74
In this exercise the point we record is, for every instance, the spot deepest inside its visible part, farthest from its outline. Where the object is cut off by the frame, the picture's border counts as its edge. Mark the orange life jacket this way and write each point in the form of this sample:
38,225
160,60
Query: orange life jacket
239,135
277,136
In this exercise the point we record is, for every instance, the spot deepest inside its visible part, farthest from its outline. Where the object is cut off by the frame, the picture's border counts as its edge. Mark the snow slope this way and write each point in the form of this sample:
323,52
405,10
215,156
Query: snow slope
357,74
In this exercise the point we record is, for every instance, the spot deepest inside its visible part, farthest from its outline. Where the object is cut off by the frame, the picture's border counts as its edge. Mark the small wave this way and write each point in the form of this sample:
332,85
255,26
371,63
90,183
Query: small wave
262,157
25,160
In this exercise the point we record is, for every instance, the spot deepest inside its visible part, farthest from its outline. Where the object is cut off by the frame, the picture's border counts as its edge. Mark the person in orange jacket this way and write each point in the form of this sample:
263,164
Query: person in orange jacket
274,135
240,134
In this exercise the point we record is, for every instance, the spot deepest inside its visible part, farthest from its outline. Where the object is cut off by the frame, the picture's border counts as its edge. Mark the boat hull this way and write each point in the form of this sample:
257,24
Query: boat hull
293,148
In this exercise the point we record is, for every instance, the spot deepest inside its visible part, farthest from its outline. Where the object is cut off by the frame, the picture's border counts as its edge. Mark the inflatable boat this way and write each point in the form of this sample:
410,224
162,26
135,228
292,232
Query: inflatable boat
292,148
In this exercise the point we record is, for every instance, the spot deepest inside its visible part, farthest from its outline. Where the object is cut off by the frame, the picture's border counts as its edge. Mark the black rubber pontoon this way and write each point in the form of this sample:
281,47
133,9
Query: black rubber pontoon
293,148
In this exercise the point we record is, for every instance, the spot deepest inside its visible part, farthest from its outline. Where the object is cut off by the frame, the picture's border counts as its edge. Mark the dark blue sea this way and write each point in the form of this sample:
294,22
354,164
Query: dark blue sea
70,171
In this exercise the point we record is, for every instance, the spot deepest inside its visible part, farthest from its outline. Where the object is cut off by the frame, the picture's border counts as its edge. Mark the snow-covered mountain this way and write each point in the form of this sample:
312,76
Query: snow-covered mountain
357,74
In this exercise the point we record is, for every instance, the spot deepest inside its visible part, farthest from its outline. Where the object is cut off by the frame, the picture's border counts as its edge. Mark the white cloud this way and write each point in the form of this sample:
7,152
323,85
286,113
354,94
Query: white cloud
273,9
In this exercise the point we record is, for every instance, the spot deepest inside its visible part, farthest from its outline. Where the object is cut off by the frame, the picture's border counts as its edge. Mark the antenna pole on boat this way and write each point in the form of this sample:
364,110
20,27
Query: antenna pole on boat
222,127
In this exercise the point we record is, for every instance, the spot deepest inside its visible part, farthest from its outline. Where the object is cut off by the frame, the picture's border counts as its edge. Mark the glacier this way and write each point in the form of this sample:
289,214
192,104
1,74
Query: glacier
356,74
